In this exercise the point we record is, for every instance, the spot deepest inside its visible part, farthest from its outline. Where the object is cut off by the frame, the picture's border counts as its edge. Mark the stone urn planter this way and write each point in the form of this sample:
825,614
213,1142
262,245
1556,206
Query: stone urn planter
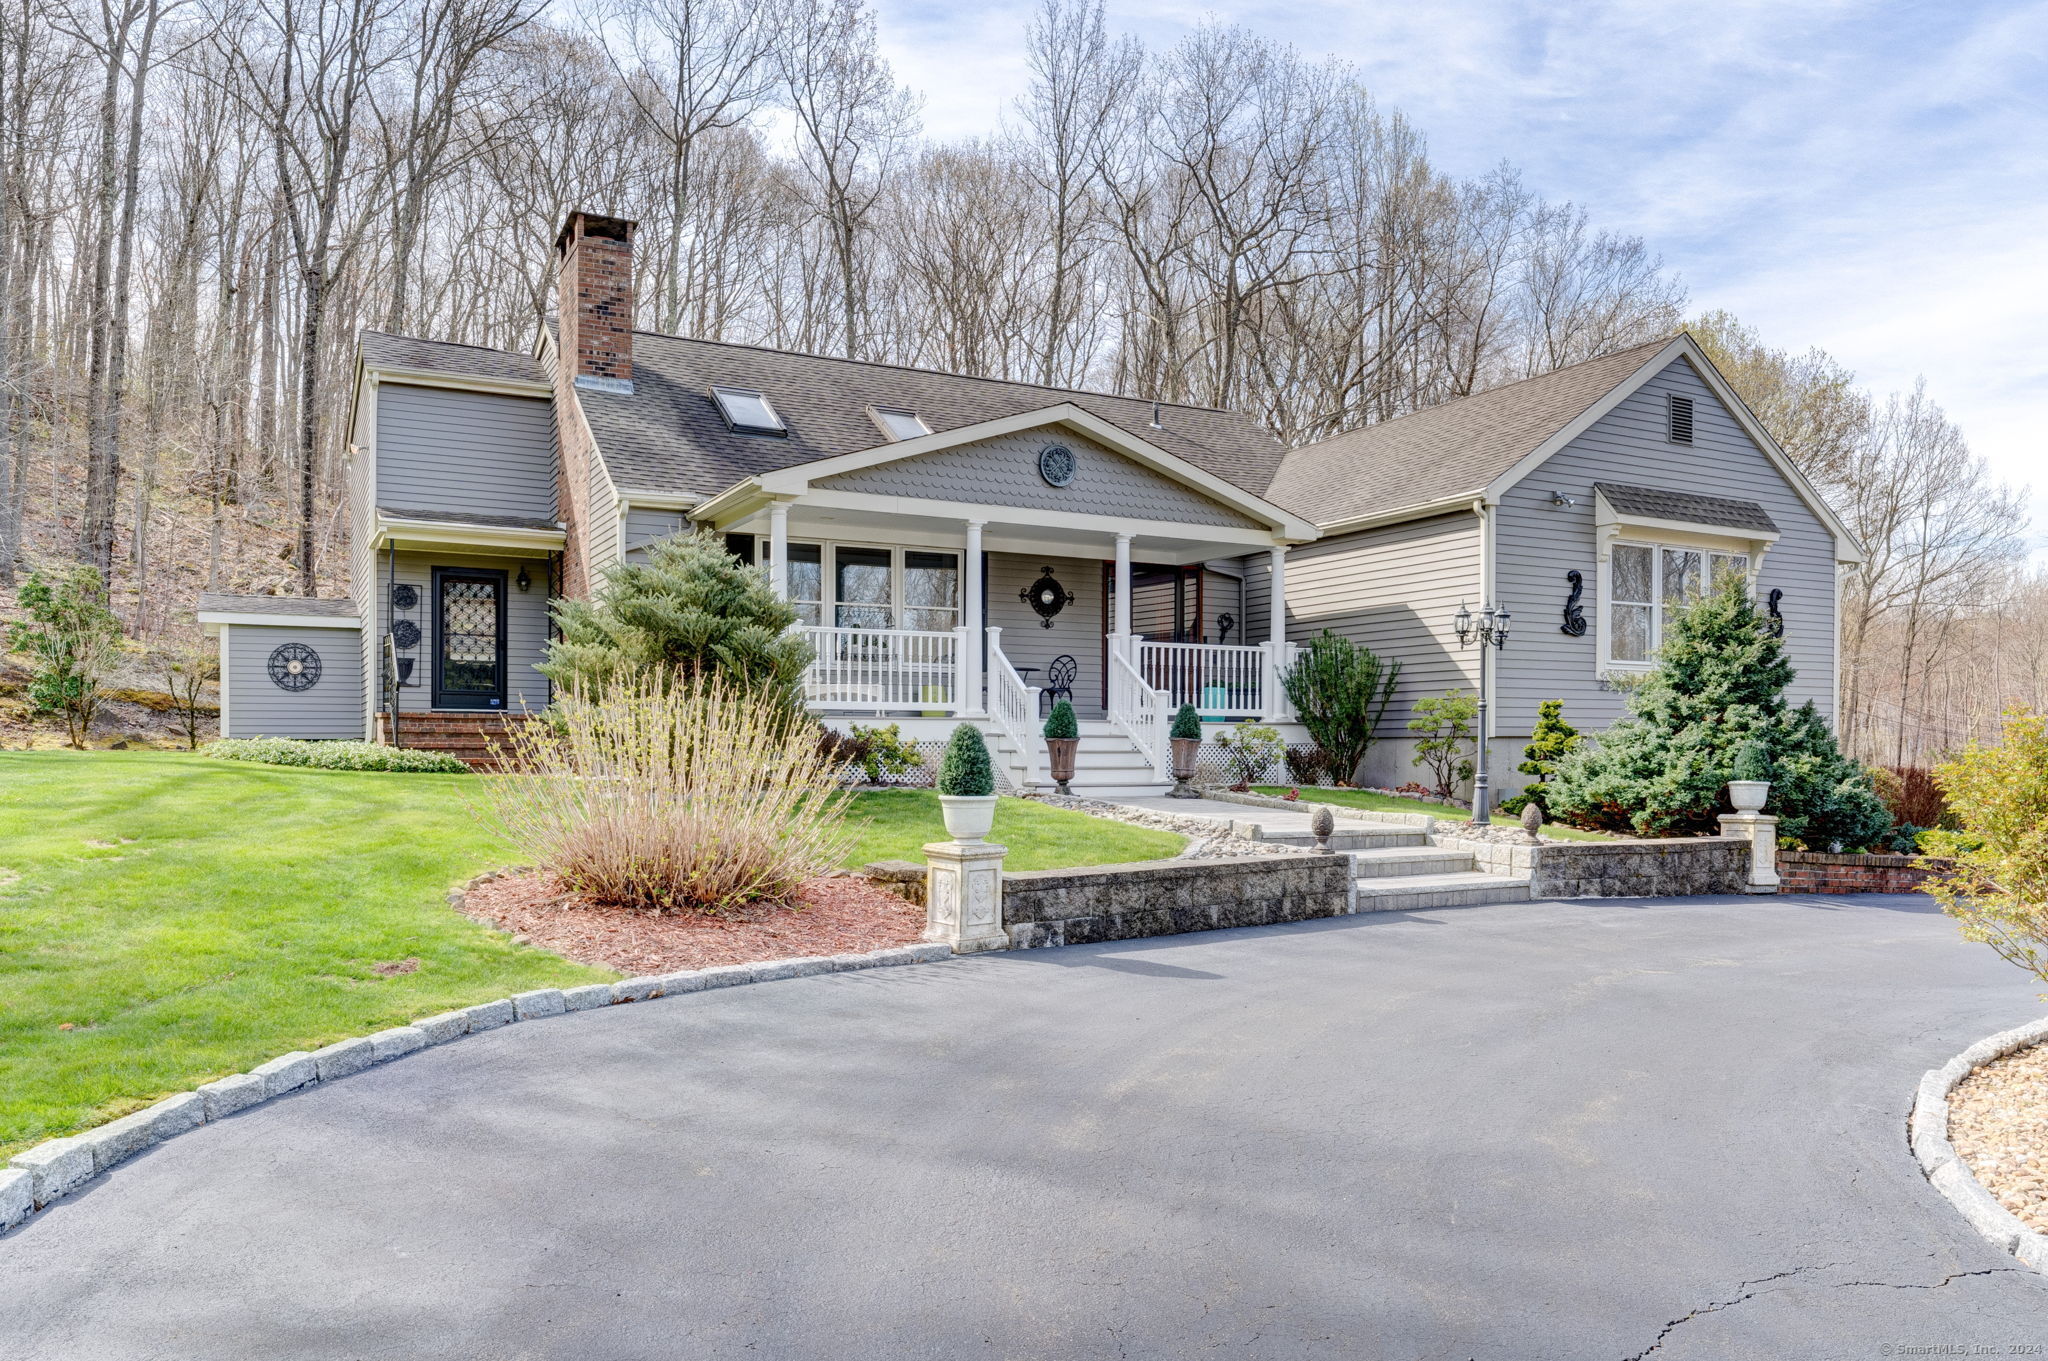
968,816
1748,796
1059,752
1187,753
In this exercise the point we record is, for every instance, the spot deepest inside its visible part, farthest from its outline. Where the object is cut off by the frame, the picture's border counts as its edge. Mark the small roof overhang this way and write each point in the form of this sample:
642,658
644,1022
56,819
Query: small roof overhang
490,533
275,611
1682,517
787,484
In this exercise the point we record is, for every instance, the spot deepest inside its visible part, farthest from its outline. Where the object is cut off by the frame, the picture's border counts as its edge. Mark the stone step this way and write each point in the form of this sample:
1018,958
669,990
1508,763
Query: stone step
1411,893
1351,836
1393,862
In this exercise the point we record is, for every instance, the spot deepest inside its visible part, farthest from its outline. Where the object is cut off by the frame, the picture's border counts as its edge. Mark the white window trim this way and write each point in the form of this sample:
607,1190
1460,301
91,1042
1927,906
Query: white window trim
1705,544
828,604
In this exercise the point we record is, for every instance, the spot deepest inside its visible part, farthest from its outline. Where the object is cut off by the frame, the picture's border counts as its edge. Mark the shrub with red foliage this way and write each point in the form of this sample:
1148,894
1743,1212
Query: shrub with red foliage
1912,795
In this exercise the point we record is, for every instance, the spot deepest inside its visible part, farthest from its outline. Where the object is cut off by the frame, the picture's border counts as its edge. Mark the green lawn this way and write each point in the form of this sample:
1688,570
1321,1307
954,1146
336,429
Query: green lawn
901,821
188,918
1390,803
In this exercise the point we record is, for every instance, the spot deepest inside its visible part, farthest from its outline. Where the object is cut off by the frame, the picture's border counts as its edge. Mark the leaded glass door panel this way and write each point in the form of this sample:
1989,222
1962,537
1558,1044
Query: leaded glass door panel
469,639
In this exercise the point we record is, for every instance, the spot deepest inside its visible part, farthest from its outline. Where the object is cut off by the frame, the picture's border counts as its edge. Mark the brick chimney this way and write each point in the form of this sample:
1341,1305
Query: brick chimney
595,352
596,301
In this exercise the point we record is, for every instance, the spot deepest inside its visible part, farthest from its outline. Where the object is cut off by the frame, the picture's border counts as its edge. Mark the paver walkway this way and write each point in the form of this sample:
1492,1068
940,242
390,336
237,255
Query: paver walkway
1555,1130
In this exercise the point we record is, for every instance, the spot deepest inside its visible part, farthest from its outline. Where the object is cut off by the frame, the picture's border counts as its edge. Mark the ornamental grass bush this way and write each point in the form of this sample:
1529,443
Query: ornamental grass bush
687,796
288,751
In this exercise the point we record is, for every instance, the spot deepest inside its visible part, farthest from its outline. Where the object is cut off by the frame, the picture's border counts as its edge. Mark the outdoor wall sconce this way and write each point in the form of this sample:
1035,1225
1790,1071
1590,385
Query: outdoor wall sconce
1491,631
523,581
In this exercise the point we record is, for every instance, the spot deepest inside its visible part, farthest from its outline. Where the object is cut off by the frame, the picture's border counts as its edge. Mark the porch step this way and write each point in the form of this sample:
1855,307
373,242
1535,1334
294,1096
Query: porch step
470,738
1415,892
1399,862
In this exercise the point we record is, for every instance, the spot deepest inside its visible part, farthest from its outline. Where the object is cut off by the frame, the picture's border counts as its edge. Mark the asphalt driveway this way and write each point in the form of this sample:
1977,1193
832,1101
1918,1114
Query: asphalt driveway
1608,1129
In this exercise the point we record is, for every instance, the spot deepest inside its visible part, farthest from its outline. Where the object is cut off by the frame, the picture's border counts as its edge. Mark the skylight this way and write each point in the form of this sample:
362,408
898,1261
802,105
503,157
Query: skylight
747,410
899,423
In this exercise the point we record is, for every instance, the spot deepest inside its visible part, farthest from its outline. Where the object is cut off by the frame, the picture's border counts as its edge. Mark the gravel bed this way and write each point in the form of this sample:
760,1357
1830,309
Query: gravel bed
1207,839
1454,829
1998,1123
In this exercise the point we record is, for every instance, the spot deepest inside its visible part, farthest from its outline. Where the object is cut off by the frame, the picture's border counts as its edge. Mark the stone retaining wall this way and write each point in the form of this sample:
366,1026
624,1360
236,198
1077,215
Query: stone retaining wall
1167,897
1819,872
1669,867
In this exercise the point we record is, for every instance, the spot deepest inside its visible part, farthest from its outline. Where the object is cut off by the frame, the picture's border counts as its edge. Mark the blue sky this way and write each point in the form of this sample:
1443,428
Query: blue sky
1870,178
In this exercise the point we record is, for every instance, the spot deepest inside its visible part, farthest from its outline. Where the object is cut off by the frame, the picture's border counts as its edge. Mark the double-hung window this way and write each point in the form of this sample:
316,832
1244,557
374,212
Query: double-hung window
1648,583
863,586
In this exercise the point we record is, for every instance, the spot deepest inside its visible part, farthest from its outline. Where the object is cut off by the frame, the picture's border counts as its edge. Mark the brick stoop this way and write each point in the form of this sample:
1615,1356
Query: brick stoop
469,737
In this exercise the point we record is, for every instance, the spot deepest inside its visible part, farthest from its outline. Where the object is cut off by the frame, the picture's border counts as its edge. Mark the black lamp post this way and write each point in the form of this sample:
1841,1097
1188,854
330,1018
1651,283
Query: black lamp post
1491,631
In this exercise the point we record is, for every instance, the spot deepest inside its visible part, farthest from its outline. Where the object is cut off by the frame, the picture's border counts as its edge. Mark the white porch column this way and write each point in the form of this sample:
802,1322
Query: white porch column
1121,617
778,549
971,616
1276,624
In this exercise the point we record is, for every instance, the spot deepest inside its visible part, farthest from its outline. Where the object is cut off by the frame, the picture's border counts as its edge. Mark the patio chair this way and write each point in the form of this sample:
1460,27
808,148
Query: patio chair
1059,683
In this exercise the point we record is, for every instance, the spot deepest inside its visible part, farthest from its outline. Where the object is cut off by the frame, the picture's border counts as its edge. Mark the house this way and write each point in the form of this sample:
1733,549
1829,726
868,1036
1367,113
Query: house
960,549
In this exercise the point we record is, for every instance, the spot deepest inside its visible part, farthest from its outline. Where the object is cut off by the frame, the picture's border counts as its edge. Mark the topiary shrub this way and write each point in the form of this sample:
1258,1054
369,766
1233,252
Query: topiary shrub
1719,683
1341,692
1444,739
1552,741
1061,724
288,751
1752,762
1187,724
691,612
965,771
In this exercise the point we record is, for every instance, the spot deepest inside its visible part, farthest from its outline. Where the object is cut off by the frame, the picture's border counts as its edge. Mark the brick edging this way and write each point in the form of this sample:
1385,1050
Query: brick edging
1927,1135
44,1174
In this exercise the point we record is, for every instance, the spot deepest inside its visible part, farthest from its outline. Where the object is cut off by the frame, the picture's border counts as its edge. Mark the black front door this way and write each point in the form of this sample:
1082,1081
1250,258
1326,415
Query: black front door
469,638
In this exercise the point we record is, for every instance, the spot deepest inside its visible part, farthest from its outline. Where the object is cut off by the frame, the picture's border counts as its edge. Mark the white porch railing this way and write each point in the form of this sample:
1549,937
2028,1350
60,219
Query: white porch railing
1013,708
1138,710
885,669
1222,681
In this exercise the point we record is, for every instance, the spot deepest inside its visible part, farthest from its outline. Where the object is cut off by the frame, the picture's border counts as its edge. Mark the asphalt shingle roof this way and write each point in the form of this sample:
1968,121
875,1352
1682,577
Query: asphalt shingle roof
456,517
668,435
211,602
1658,504
382,349
1447,450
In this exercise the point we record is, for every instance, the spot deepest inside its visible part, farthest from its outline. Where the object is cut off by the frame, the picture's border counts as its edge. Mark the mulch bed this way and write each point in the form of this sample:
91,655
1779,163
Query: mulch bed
835,916
1998,1122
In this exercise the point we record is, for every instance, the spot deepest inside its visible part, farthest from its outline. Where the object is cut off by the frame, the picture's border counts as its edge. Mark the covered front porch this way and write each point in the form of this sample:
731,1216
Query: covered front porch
984,572
990,619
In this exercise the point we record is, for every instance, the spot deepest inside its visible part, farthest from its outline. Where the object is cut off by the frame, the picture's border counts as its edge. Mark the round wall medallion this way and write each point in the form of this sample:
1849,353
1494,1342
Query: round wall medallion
405,633
294,667
1056,464
406,597
1046,597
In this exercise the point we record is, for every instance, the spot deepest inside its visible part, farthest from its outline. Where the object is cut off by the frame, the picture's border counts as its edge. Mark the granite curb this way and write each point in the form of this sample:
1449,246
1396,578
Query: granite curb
44,1174
1927,1136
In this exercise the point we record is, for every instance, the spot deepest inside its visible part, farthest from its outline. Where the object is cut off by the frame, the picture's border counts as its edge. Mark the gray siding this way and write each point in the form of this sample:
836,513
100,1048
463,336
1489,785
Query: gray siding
601,537
1004,472
476,452
1535,543
1393,589
1076,630
526,625
257,707
644,525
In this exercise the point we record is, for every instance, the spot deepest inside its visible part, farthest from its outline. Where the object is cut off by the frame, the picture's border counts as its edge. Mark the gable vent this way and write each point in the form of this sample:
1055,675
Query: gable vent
1681,419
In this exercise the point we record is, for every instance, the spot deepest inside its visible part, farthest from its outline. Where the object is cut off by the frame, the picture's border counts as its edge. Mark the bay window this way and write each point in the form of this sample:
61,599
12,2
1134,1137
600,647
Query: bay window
1647,583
